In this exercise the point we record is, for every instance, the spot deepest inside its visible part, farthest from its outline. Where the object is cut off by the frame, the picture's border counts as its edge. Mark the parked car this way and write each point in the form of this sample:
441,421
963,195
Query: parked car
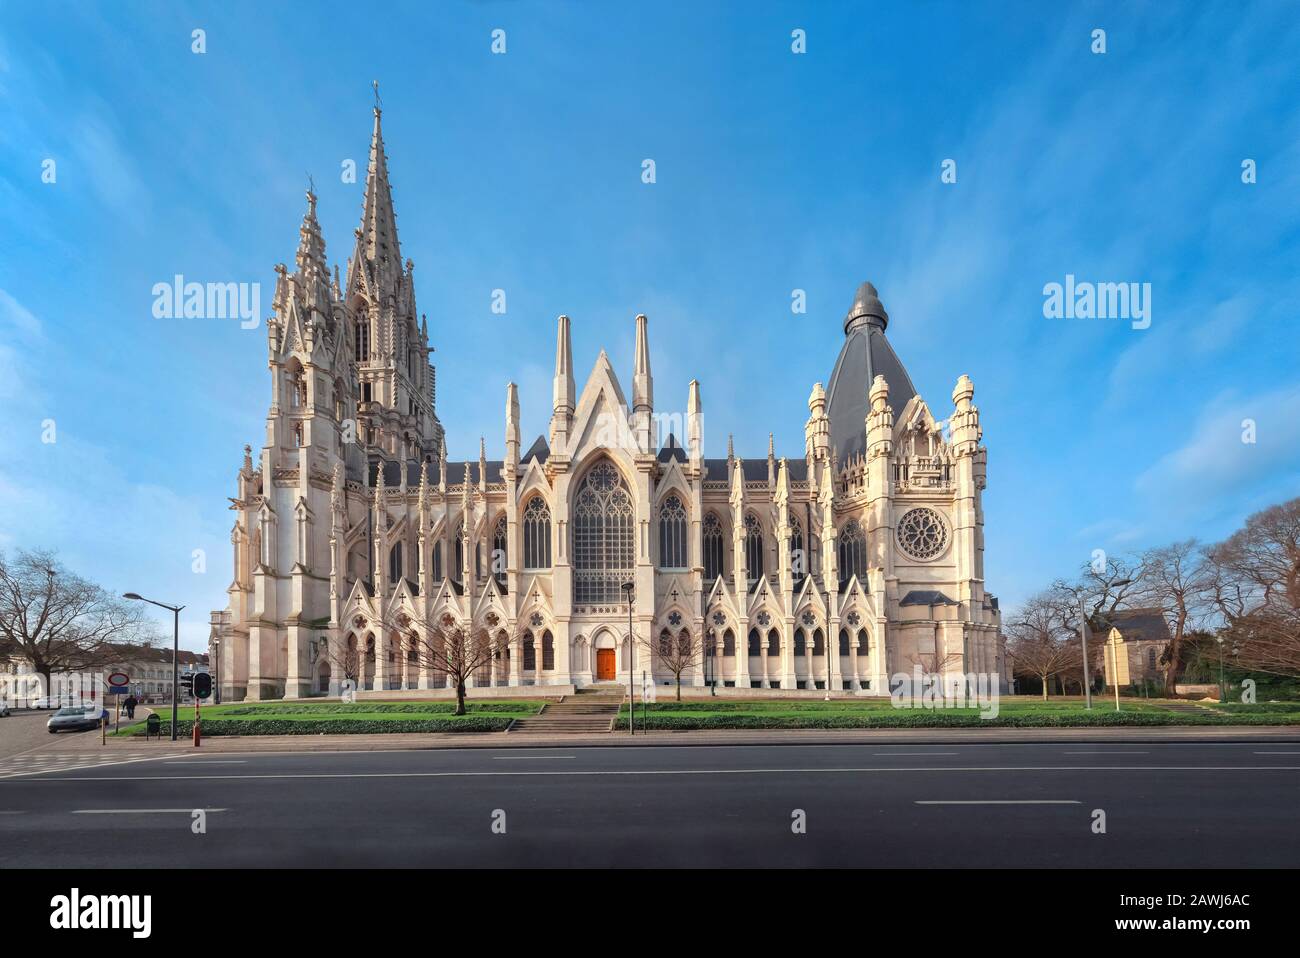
4,709
47,702
76,718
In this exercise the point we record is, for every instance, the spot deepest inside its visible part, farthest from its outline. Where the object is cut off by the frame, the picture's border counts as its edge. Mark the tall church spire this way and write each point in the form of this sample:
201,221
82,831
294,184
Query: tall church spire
378,243
313,270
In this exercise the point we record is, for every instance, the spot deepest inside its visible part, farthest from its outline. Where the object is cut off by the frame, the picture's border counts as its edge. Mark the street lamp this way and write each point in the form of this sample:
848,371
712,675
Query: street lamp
1222,692
627,588
176,643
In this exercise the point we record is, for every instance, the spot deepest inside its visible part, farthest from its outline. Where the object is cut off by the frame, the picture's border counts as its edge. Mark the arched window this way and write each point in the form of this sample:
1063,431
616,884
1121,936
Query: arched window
853,551
363,339
395,563
530,653
603,520
844,641
755,641
773,643
672,534
437,561
728,642
819,643
800,643
537,534
798,555
338,400
457,571
499,562
862,641
297,385
548,651
712,535
753,547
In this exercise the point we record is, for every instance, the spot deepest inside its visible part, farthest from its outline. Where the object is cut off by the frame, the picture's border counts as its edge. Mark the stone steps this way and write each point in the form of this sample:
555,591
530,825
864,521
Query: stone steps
590,713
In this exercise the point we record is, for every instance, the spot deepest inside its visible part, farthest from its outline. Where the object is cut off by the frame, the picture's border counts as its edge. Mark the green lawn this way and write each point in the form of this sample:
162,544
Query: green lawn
335,718
1020,711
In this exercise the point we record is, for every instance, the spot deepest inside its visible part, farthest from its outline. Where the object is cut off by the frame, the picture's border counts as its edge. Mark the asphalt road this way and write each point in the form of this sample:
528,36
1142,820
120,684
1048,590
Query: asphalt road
1174,805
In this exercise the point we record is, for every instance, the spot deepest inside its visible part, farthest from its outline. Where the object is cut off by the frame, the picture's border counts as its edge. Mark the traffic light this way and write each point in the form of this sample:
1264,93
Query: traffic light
202,685
187,681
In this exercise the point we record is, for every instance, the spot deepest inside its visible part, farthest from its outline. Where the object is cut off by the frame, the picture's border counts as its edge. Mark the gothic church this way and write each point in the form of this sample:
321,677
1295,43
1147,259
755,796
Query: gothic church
352,530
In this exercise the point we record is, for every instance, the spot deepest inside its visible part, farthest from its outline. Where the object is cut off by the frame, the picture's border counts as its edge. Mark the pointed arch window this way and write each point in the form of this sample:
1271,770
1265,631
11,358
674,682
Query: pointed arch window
753,547
363,339
798,555
437,561
853,552
458,570
712,536
603,529
394,563
672,534
537,535
499,554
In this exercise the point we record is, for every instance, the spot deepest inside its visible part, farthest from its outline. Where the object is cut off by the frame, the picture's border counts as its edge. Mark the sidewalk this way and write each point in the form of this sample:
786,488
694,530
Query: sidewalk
714,738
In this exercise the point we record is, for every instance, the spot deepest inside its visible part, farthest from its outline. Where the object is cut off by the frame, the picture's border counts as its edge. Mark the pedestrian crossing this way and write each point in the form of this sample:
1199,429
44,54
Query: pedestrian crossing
35,763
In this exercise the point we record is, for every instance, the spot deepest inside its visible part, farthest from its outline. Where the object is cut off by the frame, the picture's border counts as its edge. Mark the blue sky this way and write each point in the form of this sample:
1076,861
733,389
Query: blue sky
775,172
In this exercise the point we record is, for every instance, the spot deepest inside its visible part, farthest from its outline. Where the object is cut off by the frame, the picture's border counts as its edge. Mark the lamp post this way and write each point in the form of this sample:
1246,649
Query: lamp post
1083,637
216,671
1222,692
627,588
176,643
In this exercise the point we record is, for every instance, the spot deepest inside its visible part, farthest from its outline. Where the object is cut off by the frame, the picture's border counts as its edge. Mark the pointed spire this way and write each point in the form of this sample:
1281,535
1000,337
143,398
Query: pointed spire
783,483
771,460
562,394
482,463
377,236
512,425
642,380
694,423
311,247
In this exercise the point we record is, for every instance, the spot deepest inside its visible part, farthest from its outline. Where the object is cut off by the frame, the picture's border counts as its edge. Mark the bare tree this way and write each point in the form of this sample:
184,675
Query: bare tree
459,653
59,621
1179,581
346,660
1255,587
1104,587
1041,642
676,653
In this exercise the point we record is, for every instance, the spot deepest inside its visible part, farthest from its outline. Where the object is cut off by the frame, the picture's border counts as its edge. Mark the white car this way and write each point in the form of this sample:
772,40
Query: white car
53,702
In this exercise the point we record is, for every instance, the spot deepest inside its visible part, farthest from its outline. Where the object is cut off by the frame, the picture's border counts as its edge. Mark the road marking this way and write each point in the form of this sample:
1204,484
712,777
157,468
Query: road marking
141,811
691,771
1106,752
504,758
4,811
1008,801
204,761
1277,753
915,753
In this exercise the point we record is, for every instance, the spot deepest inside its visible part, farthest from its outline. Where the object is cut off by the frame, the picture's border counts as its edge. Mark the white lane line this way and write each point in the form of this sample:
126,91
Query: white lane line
1277,753
1007,801
516,758
692,771
5,811
141,811
1107,752
205,761
101,762
915,753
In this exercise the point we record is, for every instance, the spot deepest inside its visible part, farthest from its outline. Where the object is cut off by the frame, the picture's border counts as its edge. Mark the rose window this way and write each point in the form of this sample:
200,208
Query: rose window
922,534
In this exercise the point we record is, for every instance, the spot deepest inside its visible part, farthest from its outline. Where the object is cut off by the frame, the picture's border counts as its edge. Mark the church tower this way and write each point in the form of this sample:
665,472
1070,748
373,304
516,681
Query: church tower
396,385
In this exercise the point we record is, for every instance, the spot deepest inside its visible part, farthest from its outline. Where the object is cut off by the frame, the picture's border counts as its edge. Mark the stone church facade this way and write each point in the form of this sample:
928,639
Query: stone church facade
352,530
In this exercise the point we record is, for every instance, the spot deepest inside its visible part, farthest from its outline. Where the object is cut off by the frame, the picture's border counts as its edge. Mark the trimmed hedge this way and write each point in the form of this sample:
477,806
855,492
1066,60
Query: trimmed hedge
214,727
397,708
920,718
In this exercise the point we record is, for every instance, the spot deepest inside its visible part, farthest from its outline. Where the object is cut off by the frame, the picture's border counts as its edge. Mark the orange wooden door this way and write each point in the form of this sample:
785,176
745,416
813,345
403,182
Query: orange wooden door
604,663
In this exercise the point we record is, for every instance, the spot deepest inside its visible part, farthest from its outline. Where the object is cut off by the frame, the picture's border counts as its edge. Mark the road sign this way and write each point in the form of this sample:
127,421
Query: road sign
119,690
119,678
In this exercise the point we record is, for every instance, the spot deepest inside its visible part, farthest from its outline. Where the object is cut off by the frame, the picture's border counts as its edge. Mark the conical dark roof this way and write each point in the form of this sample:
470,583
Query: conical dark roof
865,355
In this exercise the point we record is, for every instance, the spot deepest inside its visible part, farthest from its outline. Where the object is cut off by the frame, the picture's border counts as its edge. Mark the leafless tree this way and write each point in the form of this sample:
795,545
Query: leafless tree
1179,581
1255,586
458,653
676,653
1040,641
1104,587
60,622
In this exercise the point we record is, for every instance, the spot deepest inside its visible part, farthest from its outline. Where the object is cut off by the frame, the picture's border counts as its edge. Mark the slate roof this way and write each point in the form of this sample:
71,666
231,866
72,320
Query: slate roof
930,597
1149,624
866,353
